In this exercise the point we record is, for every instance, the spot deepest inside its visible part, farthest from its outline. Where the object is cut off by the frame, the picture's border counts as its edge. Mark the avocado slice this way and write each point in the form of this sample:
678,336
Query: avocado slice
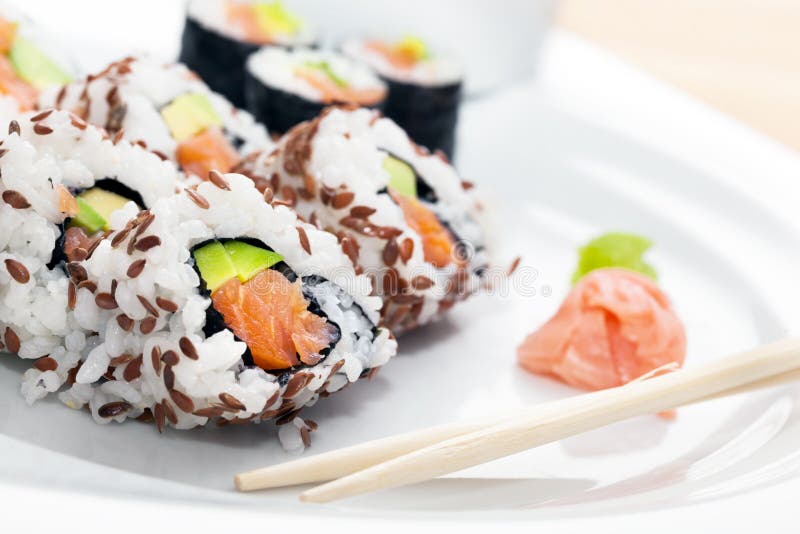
87,218
103,202
188,115
325,68
402,178
95,207
413,47
219,262
214,264
273,18
249,260
33,66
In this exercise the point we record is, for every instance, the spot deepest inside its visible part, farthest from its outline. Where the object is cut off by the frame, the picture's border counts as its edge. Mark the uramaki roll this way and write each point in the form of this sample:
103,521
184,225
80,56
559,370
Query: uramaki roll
225,308
404,215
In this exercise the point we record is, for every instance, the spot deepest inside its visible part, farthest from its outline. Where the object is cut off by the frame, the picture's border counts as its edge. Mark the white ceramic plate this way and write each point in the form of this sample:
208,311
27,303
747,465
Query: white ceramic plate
593,146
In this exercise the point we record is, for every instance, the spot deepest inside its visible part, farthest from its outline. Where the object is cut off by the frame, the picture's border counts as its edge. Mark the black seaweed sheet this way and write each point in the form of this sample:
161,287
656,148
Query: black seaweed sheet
428,114
278,110
281,110
217,59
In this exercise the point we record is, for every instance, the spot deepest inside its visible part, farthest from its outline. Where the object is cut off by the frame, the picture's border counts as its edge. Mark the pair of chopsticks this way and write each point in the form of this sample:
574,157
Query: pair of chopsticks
432,452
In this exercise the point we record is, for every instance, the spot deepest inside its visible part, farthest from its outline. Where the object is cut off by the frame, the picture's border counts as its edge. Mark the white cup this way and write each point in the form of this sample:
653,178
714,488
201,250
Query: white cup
496,40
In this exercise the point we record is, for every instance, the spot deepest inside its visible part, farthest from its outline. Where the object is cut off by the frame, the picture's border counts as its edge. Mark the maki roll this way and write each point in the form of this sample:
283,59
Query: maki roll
62,184
27,65
166,109
225,308
219,36
424,89
403,215
286,87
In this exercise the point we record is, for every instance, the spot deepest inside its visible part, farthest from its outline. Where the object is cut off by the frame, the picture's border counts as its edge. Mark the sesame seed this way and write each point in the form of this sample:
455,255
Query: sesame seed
361,212
120,360
406,249
136,268
170,358
147,306
133,370
343,199
42,129
12,340
155,359
41,116
216,178
146,243
198,199
160,417
18,271
46,364
113,409
304,239
182,401
390,252
147,325
231,401
15,200
125,322
169,377
106,301
188,348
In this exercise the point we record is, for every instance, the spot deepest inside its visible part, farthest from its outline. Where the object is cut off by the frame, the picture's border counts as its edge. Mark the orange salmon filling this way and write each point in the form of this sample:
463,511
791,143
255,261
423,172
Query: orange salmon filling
331,92
243,16
11,84
209,150
437,242
8,32
398,57
271,315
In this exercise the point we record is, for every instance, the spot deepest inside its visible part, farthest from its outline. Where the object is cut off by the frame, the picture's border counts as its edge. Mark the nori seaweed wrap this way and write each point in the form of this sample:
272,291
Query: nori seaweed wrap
425,91
284,88
219,36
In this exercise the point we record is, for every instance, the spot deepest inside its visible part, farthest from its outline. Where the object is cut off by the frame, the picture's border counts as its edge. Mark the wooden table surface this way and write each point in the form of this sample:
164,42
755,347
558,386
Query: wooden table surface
740,56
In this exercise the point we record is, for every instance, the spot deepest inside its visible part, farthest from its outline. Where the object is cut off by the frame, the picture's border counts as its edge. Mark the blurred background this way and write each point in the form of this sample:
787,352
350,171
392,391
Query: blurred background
739,56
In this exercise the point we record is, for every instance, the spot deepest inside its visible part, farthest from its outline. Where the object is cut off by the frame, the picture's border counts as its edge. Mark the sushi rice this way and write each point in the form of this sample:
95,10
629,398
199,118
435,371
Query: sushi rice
47,157
150,354
129,96
331,169
28,63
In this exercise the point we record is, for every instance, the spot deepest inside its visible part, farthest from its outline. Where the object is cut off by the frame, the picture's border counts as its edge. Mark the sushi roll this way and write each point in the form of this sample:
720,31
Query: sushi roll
62,183
28,64
403,215
166,109
219,36
226,309
286,87
425,89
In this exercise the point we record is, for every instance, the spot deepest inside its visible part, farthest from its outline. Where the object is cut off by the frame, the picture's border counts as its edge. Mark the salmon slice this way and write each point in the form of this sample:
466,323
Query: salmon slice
11,85
67,204
437,241
331,92
271,315
397,57
615,326
8,32
243,16
209,150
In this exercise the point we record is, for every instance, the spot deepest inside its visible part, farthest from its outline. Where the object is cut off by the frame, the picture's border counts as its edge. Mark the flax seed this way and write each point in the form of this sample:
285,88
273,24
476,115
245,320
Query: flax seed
18,271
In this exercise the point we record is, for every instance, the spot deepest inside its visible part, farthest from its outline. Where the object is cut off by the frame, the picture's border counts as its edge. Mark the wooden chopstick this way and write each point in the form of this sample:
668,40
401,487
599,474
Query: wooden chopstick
562,419
348,460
